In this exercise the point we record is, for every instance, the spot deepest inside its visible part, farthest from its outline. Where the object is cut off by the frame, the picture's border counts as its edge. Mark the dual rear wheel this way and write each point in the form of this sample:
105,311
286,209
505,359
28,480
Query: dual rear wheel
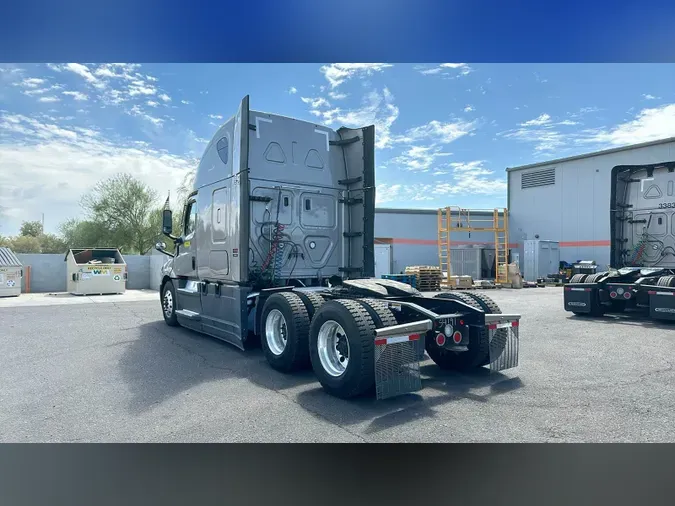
336,338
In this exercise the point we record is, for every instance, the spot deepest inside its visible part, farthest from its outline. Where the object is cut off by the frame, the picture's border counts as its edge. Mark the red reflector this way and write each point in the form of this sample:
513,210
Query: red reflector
626,295
568,289
440,339
651,293
587,289
457,337
492,326
515,324
380,342
413,337
613,295
461,322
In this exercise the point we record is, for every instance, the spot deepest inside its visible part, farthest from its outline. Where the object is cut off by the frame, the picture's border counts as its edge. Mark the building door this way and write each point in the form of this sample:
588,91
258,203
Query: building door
382,259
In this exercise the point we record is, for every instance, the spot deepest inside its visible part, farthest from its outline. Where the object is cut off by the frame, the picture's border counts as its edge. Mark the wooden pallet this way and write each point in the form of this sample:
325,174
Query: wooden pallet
427,278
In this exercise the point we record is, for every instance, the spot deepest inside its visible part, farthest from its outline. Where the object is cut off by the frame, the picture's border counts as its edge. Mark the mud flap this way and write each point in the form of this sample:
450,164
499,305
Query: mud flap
662,304
504,343
397,359
578,299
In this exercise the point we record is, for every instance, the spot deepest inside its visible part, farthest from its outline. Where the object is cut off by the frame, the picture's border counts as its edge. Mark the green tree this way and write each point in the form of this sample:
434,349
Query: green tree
50,243
83,234
121,207
25,244
31,229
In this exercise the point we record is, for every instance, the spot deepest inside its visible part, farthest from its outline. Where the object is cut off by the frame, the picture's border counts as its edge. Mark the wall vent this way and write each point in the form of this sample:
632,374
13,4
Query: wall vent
538,178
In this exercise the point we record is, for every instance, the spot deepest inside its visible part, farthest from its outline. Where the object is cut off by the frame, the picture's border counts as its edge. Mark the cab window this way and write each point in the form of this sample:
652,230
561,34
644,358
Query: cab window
190,218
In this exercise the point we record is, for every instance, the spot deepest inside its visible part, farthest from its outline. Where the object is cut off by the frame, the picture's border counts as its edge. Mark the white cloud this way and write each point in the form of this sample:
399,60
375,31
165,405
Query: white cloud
418,158
83,71
52,166
215,116
447,69
650,97
76,95
49,99
540,120
32,82
338,73
152,103
649,125
165,97
315,103
337,95
292,90
438,132
141,88
469,108
137,111
465,178
376,109
185,102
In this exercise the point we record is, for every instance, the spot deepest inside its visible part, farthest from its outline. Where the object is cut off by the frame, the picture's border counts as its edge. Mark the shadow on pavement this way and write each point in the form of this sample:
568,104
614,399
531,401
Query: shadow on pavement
397,411
166,361
631,318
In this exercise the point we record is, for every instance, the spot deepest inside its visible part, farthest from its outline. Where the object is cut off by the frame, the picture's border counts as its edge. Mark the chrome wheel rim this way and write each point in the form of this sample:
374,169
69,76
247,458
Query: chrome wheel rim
276,332
333,348
168,303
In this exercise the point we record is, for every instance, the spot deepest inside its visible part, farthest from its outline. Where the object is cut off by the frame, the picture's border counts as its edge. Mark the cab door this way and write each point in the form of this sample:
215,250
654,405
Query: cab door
185,262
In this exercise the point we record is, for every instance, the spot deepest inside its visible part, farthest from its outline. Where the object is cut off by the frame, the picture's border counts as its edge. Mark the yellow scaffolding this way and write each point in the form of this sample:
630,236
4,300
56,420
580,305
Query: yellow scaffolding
456,219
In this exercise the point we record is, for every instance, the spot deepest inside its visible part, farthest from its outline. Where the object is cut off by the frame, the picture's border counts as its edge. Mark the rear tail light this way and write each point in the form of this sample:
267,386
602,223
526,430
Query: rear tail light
457,337
612,295
440,339
626,295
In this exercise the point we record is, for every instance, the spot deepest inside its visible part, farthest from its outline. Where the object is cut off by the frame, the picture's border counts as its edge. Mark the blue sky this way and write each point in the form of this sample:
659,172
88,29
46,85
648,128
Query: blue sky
445,132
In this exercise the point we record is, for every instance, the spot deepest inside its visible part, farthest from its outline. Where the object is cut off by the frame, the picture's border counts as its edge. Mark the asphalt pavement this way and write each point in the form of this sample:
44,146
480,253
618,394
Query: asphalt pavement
114,372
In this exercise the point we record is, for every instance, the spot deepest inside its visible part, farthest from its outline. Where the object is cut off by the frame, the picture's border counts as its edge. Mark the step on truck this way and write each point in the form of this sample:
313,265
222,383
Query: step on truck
276,245
642,220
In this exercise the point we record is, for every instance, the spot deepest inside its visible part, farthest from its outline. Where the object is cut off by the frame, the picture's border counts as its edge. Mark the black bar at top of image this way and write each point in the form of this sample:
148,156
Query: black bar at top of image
462,474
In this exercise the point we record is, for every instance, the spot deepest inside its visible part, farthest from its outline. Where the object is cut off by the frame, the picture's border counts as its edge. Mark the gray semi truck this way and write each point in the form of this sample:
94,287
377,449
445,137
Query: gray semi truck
276,245
642,221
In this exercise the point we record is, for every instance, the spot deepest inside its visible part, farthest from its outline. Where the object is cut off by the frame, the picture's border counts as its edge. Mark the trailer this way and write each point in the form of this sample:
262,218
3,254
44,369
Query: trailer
642,219
277,246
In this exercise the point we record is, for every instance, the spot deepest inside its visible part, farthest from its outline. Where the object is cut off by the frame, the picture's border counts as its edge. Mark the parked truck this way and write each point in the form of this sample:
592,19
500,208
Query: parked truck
277,245
642,220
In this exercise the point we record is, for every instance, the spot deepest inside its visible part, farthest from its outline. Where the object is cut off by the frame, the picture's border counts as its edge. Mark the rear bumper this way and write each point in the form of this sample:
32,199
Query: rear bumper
400,348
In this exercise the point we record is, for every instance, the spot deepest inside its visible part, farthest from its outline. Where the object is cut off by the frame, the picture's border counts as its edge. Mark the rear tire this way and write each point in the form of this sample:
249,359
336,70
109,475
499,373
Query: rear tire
343,329
285,332
312,301
498,342
478,348
169,304
592,278
667,281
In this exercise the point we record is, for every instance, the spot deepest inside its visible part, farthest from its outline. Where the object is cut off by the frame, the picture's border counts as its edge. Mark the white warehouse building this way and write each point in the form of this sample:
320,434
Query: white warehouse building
568,200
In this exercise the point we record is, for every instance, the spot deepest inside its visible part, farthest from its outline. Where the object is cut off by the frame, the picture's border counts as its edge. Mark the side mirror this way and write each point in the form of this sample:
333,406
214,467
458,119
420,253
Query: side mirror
167,222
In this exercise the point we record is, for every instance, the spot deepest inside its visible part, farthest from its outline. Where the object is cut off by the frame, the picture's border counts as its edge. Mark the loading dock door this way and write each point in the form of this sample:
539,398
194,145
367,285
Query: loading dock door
382,259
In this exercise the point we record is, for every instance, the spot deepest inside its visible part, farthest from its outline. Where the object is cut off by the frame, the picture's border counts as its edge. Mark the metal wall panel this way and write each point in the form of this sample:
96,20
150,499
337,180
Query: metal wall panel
414,236
575,210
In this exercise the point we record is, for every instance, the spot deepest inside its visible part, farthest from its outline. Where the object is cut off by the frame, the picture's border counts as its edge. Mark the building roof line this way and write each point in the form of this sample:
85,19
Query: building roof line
590,155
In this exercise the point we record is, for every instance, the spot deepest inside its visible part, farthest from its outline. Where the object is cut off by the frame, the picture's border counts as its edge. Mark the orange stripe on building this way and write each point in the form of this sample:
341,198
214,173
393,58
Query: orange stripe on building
433,242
